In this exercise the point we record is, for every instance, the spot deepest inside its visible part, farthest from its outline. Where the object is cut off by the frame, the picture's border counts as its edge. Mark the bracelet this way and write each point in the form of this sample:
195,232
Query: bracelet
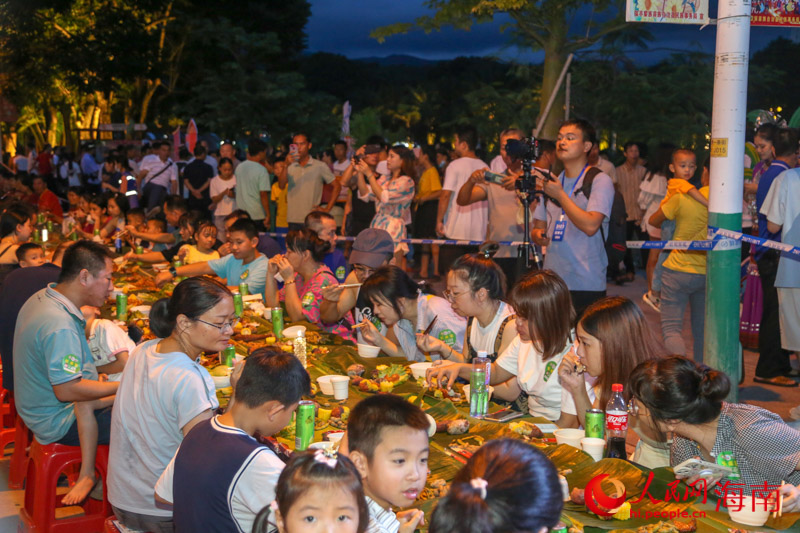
173,271
289,282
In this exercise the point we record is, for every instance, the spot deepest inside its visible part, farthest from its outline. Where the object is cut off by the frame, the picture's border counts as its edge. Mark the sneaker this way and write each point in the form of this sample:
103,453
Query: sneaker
794,413
653,301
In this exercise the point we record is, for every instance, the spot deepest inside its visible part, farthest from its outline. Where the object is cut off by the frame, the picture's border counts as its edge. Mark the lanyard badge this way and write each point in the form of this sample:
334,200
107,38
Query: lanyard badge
561,225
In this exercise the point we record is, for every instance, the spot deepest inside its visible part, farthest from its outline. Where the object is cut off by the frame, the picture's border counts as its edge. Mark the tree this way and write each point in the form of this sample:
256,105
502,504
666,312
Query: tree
549,25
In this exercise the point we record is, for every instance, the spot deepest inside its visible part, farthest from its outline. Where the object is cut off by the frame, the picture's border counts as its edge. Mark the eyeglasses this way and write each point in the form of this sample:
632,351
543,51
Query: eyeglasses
450,295
633,408
221,327
363,269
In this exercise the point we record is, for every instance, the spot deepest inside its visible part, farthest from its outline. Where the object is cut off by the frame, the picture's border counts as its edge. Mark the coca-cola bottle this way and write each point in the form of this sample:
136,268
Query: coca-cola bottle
616,424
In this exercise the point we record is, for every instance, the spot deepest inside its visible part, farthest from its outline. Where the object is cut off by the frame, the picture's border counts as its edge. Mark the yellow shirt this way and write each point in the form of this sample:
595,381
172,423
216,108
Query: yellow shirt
429,182
193,255
676,186
691,224
279,197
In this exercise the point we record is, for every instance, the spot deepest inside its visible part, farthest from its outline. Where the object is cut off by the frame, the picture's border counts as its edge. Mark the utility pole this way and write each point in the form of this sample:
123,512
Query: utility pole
722,347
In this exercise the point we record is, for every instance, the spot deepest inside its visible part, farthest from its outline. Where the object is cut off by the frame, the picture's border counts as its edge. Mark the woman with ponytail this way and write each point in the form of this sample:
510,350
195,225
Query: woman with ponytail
687,399
506,486
164,393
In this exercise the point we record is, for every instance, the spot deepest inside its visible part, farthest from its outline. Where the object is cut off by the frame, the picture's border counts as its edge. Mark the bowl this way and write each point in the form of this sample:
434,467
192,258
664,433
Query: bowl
221,382
160,266
467,389
418,369
292,331
368,351
431,425
144,309
325,384
570,436
747,514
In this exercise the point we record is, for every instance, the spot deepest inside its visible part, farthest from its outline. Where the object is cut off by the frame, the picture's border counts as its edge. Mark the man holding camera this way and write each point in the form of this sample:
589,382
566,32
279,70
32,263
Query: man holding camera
572,219
501,194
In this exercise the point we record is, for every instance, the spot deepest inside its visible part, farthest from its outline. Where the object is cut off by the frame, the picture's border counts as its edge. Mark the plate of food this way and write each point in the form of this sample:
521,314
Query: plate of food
383,379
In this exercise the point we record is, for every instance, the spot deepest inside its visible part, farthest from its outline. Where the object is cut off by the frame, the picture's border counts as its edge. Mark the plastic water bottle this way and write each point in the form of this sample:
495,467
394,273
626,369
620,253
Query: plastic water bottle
300,347
616,424
479,386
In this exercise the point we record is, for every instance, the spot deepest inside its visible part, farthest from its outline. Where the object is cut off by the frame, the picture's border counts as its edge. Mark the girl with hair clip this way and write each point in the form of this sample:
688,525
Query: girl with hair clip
543,323
304,276
399,303
679,396
506,486
612,338
476,287
393,195
163,394
202,246
318,491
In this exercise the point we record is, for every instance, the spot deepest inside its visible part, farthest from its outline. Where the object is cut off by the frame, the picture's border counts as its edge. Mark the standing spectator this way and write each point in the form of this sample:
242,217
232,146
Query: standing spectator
278,197
252,184
455,221
359,213
21,162
69,171
393,196
629,180
223,196
132,154
197,179
652,192
53,366
158,174
602,162
226,149
578,253
429,189
340,164
503,204
44,163
210,160
90,168
683,281
774,365
305,177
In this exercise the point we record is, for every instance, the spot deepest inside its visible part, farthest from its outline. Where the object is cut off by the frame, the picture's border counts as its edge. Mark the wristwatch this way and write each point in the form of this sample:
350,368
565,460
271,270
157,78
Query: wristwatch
173,271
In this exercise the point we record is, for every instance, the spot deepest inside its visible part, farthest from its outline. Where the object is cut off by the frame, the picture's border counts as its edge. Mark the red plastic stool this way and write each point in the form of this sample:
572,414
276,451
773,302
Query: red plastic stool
7,406
40,509
19,459
109,526
8,433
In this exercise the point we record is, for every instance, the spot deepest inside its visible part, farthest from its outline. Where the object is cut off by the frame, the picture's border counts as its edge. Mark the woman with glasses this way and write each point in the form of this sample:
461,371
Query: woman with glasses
304,276
164,392
687,399
526,371
476,286
613,337
399,303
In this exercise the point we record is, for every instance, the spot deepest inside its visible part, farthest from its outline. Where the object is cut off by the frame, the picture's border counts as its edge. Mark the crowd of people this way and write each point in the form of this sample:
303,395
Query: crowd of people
558,344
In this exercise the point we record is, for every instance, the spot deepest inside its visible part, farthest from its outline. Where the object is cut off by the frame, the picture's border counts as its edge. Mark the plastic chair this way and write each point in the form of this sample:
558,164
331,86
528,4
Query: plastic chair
19,459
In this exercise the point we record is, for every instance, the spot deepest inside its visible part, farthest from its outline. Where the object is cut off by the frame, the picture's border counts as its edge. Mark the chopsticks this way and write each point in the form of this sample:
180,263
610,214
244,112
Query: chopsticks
447,452
430,326
359,325
779,512
350,285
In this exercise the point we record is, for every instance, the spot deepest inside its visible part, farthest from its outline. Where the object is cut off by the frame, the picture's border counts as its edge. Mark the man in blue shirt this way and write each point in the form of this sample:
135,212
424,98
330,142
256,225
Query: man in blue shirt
572,225
243,265
774,367
325,226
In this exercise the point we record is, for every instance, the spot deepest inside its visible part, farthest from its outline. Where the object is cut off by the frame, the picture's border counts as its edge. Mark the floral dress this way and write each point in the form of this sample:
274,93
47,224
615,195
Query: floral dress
393,208
310,293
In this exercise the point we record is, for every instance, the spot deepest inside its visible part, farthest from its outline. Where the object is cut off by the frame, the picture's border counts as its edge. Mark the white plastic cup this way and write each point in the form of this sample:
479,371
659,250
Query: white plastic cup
752,513
593,446
341,387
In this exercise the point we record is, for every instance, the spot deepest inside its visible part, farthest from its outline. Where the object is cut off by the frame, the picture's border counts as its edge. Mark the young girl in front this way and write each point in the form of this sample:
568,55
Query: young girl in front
116,207
318,491
203,248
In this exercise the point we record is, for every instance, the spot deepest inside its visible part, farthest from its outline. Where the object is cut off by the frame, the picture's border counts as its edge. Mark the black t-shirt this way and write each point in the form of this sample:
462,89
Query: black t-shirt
198,173
18,286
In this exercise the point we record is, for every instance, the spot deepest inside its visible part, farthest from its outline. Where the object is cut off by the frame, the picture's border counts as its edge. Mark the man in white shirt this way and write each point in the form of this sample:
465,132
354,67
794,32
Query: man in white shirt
157,175
455,221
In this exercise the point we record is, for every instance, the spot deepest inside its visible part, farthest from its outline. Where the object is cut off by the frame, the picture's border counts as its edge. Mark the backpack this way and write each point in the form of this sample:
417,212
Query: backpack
615,241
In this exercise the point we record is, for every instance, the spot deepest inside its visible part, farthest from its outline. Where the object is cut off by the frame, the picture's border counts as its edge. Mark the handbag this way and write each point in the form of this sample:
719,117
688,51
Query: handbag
752,308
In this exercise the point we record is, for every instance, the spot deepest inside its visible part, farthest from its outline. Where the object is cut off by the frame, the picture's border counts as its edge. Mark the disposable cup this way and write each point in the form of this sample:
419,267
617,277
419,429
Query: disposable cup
593,446
341,387
751,513
569,436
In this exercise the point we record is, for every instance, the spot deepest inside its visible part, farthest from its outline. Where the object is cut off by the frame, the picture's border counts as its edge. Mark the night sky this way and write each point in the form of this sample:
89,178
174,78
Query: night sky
343,27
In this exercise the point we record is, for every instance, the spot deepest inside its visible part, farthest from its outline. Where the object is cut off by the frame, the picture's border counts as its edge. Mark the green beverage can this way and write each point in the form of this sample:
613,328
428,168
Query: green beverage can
50,226
595,423
40,218
96,231
229,356
35,237
122,307
277,321
238,306
74,235
304,430
244,290
561,527
177,263
139,250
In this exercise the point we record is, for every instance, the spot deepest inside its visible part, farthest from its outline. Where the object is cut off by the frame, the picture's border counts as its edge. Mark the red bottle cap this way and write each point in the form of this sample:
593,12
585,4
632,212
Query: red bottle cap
616,387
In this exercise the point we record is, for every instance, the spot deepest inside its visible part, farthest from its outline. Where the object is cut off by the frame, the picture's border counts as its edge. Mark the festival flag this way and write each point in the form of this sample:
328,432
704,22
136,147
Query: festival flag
176,143
191,136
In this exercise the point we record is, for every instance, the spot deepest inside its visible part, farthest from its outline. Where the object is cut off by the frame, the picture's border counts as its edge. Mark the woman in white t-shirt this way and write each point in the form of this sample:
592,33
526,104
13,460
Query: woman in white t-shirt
544,317
613,337
223,195
398,302
163,394
476,286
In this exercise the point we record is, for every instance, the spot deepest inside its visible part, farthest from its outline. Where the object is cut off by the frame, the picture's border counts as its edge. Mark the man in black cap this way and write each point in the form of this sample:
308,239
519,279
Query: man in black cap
372,248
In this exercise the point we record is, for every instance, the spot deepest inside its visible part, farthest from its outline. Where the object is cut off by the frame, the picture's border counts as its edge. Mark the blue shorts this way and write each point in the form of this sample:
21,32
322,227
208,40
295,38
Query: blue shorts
103,417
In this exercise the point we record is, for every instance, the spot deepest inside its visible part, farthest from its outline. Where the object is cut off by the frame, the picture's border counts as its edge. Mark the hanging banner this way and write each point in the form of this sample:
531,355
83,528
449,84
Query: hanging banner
176,143
191,136
775,13
672,11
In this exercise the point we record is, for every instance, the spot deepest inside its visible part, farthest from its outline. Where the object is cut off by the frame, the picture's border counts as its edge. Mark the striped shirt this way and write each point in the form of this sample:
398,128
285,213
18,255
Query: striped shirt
381,520
628,182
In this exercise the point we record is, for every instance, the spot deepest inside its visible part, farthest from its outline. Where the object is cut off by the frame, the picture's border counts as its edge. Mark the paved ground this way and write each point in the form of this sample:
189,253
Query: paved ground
776,399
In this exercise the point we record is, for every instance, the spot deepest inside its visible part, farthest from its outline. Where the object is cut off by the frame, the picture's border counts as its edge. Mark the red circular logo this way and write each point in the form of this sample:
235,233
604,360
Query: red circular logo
598,501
